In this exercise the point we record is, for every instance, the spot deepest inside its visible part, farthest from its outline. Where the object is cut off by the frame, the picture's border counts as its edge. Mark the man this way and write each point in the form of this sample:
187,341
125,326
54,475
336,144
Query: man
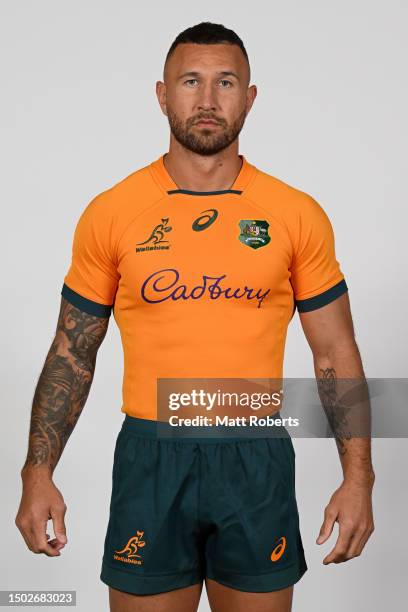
203,258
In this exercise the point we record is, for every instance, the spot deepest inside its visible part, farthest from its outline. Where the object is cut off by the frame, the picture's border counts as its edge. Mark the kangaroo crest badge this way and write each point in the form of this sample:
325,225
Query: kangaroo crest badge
254,233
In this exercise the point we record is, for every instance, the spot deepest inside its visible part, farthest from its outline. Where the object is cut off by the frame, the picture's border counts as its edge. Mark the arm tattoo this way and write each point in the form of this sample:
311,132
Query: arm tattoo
64,383
333,407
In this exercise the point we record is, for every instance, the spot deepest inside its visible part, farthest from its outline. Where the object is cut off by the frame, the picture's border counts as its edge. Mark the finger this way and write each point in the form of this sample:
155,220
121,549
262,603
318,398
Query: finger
327,526
342,546
26,533
57,515
56,544
355,547
40,544
360,540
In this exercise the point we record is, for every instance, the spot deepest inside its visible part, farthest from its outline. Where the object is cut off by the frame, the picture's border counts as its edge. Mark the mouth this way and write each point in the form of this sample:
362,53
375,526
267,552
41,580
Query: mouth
207,123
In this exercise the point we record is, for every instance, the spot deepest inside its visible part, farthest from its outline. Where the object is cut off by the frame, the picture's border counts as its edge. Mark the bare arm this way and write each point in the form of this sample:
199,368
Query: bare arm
64,385
330,334
59,398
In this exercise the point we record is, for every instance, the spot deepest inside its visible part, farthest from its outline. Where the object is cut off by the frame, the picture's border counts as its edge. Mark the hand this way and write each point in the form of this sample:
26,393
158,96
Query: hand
41,501
350,506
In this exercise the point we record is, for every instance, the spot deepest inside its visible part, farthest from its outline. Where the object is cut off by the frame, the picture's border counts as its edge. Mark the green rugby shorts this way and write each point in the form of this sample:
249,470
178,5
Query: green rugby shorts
183,509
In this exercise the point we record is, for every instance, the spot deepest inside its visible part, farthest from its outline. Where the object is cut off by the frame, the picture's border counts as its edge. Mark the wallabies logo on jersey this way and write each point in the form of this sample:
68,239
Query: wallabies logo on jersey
156,240
254,233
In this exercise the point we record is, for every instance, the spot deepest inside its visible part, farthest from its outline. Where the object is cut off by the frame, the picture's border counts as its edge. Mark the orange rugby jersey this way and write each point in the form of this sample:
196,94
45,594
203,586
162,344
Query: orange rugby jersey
202,284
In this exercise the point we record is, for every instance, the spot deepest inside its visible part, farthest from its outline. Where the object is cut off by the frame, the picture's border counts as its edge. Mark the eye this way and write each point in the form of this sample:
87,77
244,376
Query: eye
190,80
226,81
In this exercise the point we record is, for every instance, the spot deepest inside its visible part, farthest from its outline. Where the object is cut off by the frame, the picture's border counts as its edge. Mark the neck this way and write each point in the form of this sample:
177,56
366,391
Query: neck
203,173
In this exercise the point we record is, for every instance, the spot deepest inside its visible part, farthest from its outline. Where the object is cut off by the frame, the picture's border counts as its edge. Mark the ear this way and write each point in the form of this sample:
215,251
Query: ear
250,97
161,96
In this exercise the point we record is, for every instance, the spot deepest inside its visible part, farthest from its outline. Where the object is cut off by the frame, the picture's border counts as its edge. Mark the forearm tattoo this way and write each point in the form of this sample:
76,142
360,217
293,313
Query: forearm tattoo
64,383
335,411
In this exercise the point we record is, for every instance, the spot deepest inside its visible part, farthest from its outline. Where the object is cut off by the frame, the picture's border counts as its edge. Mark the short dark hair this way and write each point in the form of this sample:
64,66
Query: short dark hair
207,33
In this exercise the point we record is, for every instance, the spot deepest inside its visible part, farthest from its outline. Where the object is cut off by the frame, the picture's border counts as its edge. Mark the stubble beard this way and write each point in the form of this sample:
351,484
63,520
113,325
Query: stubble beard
206,141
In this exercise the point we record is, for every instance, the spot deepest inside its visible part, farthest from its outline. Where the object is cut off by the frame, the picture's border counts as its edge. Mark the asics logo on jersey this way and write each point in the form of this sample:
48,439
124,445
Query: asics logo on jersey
156,238
163,285
279,549
130,549
201,223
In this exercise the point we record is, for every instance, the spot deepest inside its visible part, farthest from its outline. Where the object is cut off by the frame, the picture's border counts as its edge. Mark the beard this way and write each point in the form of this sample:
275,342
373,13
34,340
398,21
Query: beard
205,141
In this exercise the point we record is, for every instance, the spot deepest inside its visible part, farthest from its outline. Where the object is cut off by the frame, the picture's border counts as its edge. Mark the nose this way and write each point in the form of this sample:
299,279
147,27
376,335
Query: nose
207,100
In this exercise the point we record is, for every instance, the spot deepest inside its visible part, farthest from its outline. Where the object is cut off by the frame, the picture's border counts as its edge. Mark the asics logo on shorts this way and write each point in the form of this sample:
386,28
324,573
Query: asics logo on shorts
279,549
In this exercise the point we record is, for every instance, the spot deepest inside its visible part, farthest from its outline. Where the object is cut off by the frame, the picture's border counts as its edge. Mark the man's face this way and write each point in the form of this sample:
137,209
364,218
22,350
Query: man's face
205,95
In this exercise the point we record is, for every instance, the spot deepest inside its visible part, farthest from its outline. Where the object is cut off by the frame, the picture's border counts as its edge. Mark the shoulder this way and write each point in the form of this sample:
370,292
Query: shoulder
113,209
294,208
281,195
128,191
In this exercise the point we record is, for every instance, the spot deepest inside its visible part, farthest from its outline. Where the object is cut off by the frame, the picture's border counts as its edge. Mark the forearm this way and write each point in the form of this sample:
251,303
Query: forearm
63,386
344,394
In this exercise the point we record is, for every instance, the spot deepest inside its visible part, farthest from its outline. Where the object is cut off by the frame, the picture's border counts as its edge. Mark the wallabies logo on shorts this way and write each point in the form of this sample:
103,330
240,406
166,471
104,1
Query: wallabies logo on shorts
131,549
